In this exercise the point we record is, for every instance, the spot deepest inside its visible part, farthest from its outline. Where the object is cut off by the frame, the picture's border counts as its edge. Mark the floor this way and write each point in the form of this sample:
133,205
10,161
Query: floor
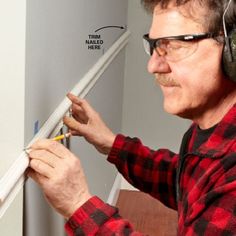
147,215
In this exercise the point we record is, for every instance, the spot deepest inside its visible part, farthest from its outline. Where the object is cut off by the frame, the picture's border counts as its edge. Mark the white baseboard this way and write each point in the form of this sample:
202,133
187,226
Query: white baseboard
126,185
119,183
114,194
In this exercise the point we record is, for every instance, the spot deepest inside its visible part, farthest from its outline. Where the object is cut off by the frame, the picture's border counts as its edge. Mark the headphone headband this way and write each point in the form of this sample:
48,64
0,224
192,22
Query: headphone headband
229,53
223,18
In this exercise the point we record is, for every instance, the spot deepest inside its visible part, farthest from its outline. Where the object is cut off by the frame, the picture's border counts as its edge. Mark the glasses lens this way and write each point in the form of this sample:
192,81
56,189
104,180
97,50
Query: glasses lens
147,47
176,50
170,48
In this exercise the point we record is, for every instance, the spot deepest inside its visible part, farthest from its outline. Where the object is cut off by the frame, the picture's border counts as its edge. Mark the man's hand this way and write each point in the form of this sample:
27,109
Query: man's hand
60,176
86,122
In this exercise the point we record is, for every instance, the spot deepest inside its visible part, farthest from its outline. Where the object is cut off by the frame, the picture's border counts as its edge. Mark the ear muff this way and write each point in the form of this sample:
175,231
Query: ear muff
229,53
229,56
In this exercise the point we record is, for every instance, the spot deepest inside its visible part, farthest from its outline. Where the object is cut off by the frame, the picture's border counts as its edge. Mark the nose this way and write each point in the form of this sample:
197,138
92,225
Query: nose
158,64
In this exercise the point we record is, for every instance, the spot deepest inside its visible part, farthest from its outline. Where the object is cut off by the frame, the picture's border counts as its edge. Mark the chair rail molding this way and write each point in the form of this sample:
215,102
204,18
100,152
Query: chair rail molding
14,179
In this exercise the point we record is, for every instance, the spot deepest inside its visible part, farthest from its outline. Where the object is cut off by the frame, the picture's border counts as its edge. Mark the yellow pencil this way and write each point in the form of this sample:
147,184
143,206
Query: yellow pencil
60,137
57,138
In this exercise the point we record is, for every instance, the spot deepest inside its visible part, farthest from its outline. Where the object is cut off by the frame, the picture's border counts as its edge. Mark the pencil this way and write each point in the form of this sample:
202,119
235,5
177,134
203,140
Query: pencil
60,137
57,138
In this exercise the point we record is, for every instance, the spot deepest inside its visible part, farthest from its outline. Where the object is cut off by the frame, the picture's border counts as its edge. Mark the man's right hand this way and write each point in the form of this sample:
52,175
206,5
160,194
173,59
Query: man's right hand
86,122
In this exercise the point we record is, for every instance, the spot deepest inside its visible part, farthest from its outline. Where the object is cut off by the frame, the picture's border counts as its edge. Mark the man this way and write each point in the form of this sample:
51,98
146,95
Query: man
186,42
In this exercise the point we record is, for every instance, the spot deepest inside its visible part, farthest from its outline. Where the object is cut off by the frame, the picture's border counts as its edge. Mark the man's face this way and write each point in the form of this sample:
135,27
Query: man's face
191,85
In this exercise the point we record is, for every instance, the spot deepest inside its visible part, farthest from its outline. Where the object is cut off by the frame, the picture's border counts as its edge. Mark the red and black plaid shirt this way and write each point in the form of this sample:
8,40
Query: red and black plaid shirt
200,185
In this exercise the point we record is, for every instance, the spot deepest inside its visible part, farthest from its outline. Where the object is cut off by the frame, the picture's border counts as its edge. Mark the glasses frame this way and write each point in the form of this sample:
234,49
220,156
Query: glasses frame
153,43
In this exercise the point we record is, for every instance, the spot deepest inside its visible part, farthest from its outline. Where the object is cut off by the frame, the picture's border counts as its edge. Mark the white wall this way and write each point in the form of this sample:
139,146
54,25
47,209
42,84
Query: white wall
12,75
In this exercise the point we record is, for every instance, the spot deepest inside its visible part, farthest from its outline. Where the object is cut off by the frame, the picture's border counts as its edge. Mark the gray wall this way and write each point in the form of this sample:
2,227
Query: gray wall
106,97
56,58
143,115
56,53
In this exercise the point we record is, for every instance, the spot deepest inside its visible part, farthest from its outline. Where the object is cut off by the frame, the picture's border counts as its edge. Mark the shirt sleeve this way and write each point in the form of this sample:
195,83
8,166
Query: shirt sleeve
98,218
153,172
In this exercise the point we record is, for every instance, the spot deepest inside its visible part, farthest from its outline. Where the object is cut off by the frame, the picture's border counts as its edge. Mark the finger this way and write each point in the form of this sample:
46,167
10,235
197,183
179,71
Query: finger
79,114
75,127
77,111
88,110
45,156
73,98
75,133
54,147
41,168
40,179
83,103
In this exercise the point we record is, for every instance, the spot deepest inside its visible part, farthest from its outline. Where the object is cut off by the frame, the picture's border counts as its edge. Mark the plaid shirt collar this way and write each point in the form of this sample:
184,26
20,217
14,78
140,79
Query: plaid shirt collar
222,138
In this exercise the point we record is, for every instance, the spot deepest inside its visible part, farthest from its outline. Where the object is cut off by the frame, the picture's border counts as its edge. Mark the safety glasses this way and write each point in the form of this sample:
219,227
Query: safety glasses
174,48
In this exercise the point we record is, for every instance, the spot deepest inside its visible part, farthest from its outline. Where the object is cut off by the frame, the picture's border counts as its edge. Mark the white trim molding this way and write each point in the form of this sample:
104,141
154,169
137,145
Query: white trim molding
114,194
13,180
